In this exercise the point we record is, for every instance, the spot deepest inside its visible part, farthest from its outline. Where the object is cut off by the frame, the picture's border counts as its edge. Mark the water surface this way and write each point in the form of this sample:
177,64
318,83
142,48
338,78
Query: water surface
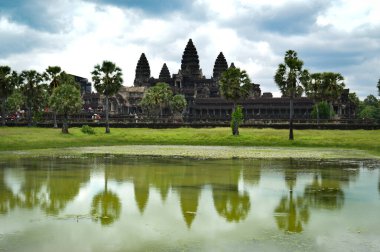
126,204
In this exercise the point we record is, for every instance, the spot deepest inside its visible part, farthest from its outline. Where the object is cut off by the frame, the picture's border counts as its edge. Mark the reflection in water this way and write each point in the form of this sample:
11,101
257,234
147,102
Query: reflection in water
106,205
7,199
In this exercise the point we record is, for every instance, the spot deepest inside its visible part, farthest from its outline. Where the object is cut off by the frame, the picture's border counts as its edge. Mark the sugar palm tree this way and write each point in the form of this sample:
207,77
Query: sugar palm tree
107,81
313,90
32,90
290,78
234,84
51,76
332,87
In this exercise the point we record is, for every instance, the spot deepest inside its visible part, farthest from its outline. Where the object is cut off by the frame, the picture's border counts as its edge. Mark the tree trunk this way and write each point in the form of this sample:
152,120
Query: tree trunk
107,122
55,119
3,111
317,107
291,108
65,127
29,116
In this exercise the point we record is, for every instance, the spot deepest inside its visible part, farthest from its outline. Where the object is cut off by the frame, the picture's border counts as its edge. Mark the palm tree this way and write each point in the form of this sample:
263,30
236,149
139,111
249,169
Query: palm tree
50,75
32,91
332,87
8,81
159,96
107,81
290,78
313,90
234,85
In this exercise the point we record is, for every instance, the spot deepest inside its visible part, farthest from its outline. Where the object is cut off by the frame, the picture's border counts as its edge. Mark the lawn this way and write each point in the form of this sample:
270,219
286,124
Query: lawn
22,138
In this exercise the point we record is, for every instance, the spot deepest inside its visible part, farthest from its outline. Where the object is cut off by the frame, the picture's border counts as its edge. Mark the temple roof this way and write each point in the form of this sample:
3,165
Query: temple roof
164,74
142,68
220,65
232,65
190,59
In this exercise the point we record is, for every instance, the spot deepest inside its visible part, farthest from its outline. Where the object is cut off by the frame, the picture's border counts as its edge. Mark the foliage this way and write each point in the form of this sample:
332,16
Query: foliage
291,79
237,117
107,81
370,108
378,87
8,82
15,101
157,97
178,103
234,84
51,76
87,130
66,99
323,110
35,94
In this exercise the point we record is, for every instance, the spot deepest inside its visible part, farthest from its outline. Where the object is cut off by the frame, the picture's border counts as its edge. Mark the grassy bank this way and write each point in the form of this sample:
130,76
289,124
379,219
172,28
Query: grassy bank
41,138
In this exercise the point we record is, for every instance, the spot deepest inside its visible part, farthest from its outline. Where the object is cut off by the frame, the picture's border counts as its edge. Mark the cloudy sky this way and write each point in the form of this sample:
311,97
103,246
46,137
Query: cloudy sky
329,35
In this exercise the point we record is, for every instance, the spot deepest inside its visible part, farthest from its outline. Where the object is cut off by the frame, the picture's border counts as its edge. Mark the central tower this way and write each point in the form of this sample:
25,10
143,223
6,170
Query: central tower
190,61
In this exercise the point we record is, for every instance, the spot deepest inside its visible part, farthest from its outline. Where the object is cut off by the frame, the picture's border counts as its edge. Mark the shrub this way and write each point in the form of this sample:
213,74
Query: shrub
237,118
88,130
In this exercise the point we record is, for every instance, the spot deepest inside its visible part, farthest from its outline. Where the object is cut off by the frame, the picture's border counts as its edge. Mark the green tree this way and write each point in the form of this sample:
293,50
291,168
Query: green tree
291,78
8,81
234,84
178,103
33,92
158,96
332,88
371,100
15,101
107,81
51,76
378,87
66,99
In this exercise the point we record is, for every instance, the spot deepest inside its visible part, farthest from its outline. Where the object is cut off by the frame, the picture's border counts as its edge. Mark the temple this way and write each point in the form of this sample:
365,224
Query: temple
204,101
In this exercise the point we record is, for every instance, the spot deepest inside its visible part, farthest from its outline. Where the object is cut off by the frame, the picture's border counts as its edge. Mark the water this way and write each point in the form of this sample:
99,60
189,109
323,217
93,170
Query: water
126,204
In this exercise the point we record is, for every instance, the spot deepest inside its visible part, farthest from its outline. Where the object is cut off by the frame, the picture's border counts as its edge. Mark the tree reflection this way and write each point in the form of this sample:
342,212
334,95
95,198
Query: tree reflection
229,203
7,199
291,214
106,205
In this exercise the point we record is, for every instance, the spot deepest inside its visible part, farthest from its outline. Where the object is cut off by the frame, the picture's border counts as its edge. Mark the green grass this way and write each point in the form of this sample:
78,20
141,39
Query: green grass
41,138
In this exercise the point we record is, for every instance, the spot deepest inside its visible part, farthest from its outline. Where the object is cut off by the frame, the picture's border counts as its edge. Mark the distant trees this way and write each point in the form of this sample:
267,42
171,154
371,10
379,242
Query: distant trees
51,76
159,97
107,80
370,108
34,93
234,84
66,99
327,87
8,82
290,77
378,87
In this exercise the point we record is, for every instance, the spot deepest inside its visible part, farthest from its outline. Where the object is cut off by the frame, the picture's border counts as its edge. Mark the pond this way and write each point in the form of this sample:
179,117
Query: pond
109,203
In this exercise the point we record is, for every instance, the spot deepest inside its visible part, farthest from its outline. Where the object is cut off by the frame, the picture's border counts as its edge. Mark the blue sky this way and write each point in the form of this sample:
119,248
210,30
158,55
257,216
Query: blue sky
329,35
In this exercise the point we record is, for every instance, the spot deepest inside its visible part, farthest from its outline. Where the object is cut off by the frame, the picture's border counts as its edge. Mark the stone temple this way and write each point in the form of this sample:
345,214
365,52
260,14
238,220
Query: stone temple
204,101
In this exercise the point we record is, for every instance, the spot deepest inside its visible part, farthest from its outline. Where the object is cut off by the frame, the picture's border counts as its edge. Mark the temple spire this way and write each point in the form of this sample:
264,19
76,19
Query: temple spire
190,60
220,66
164,74
142,70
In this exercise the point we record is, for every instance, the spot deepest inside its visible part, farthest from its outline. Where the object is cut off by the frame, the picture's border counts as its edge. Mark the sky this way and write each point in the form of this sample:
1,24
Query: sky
328,35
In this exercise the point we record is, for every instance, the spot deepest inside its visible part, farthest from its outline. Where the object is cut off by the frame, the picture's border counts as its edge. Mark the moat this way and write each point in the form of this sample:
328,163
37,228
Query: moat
129,204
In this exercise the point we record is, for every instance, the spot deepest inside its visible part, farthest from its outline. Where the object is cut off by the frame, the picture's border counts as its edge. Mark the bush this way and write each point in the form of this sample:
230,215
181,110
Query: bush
88,130
324,111
236,118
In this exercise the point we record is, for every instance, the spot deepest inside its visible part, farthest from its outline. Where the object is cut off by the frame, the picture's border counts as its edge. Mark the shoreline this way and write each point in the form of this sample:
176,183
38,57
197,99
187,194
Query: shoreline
194,151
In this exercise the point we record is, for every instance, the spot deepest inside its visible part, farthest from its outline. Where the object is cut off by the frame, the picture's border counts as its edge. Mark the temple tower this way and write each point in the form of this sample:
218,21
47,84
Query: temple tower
220,66
190,61
164,74
142,71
